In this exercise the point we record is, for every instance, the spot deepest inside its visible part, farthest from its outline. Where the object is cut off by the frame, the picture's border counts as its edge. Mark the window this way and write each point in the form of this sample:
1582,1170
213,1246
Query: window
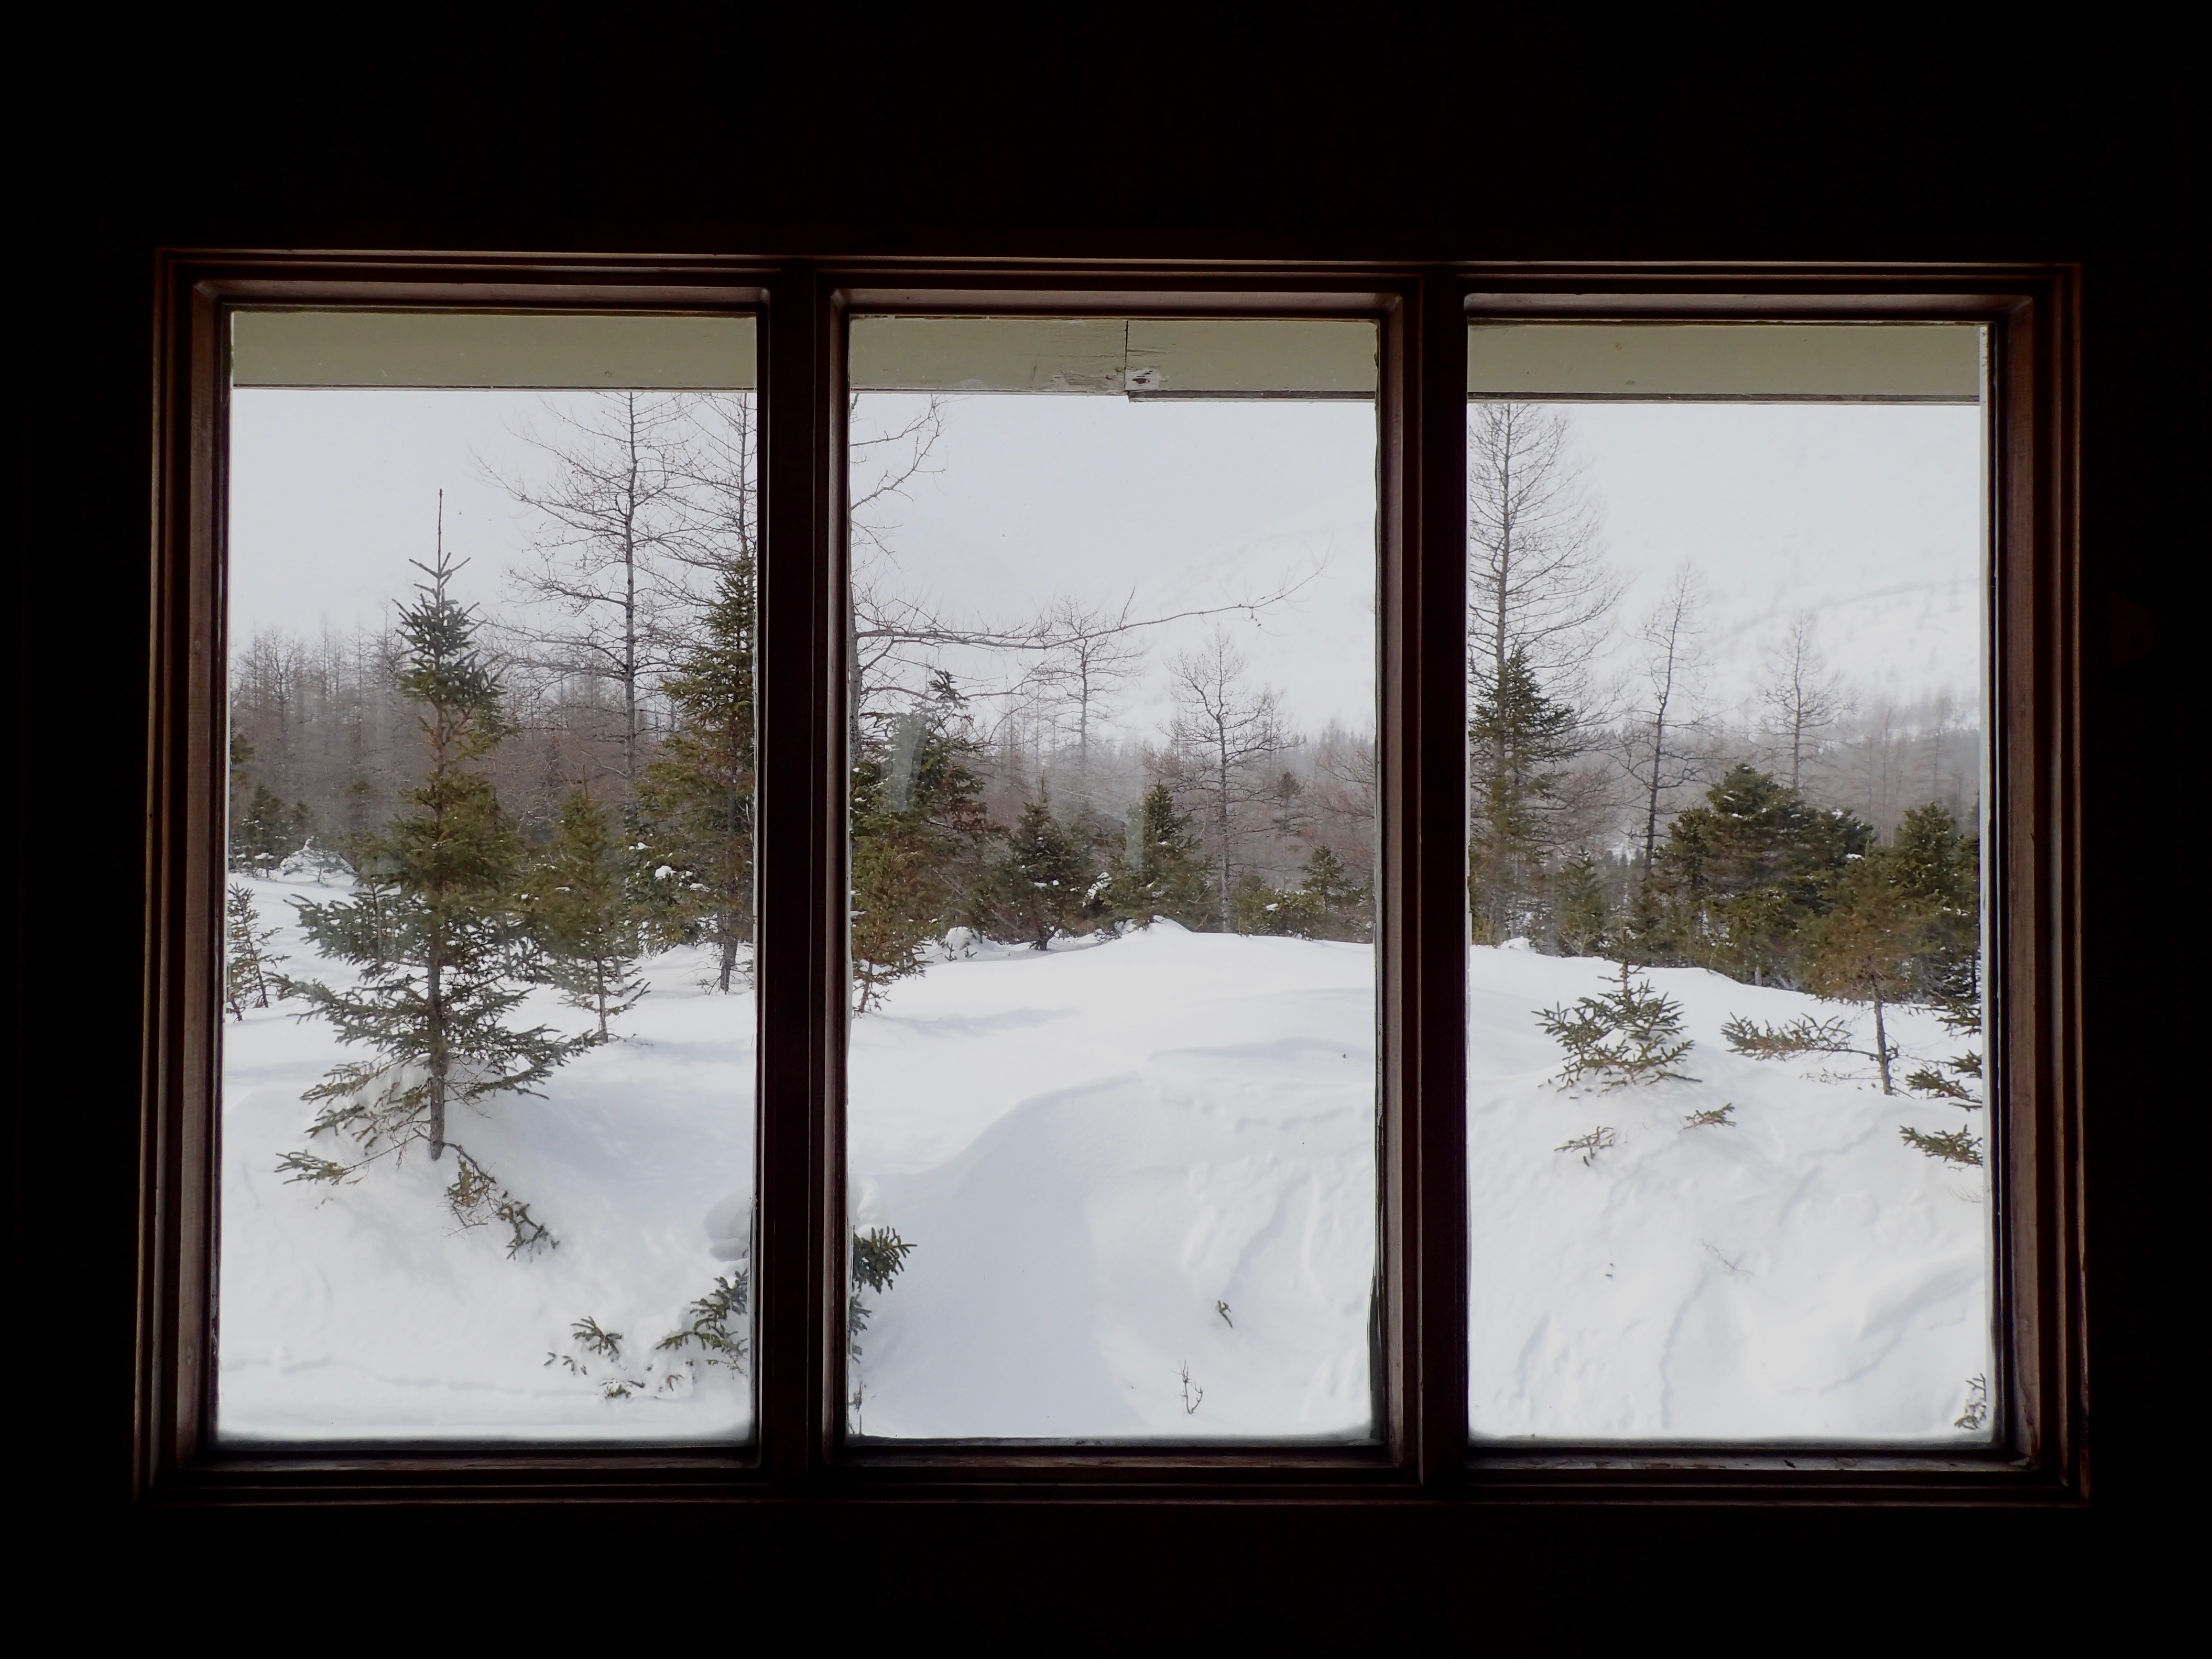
1727,1136
1116,1028
488,1036
1112,1075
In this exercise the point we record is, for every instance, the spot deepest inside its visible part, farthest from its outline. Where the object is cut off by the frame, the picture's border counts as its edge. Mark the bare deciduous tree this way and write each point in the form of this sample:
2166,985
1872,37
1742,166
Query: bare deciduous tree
1536,583
1802,699
604,574
1094,652
1655,748
1225,737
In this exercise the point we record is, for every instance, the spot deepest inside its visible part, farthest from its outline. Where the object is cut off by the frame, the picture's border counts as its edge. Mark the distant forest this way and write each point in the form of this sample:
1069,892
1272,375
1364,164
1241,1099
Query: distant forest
995,787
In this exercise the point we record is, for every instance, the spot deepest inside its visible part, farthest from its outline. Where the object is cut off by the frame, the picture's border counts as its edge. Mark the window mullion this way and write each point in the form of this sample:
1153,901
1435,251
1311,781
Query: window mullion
799,880
1426,1008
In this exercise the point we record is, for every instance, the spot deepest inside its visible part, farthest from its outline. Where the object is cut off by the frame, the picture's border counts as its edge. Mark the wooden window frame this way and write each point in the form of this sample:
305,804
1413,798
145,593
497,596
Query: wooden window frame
1422,1452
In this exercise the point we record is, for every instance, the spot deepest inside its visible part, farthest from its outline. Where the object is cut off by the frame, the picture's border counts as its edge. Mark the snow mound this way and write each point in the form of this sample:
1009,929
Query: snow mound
1139,1181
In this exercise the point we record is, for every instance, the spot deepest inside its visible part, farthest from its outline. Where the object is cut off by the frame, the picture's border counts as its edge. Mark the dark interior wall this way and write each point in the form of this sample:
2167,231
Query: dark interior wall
1296,130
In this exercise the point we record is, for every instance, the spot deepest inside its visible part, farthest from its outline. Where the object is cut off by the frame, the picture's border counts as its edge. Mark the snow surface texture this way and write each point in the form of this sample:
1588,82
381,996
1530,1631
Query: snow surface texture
1118,1161
1799,1273
1139,1179
363,1312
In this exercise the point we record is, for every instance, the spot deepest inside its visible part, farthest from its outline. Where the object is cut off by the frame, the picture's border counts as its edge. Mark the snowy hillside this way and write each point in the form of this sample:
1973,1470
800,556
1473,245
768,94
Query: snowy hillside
1139,1176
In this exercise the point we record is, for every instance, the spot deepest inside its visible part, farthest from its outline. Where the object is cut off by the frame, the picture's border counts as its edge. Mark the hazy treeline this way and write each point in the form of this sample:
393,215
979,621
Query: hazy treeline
997,784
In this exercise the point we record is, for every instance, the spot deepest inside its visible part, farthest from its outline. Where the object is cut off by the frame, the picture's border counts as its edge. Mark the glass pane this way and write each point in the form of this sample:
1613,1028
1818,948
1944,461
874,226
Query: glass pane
488,1051
1112,1108
1727,1134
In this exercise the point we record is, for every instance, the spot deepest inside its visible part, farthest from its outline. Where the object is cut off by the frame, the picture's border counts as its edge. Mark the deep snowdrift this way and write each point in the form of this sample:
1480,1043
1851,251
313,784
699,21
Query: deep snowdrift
1124,1165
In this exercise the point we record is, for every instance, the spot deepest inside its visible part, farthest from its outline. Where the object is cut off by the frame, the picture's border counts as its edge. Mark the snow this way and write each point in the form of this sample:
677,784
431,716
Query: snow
1797,1275
1123,1164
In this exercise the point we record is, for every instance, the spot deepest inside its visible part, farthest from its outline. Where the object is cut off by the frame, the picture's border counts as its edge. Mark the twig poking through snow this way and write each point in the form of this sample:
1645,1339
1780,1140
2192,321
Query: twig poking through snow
1192,1394
1599,1139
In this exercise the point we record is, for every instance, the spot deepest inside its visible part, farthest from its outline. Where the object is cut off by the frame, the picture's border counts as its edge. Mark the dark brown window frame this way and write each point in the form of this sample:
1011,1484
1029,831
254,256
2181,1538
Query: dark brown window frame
1422,1451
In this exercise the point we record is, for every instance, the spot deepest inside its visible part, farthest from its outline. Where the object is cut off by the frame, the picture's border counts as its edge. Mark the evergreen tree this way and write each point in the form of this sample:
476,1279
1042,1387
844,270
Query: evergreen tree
434,928
1332,903
1742,877
1582,911
1632,1035
249,967
1931,860
1865,949
918,832
1518,740
580,914
1041,887
695,806
1326,903
1162,869
266,833
1904,923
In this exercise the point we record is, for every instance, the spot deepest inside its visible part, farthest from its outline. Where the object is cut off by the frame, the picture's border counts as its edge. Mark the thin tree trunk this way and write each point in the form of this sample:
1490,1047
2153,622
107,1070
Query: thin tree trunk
1882,1046
1652,813
1221,818
434,1006
629,613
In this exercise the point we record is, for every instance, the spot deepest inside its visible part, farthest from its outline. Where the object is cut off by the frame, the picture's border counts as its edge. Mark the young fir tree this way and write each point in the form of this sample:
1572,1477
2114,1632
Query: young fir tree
249,966
1162,868
580,914
1582,912
1632,1035
919,832
1866,948
1040,888
434,928
1518,741
694,881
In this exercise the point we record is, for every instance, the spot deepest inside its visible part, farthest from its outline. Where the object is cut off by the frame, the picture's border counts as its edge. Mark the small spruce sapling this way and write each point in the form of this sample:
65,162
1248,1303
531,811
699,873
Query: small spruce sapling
249,966
1808,1036
1633,1034
714,1324
1961,1016
879,1257
1801,1035
1926,1080
477,1200
597,1344
1951,1146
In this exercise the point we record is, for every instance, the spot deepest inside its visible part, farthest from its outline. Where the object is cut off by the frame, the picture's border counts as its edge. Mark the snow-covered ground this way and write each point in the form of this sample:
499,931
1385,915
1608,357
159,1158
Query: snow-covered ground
1800,1274
1139,1179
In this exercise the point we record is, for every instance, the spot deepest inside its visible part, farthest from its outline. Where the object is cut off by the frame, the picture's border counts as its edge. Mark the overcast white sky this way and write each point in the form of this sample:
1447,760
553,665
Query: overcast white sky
1867,516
